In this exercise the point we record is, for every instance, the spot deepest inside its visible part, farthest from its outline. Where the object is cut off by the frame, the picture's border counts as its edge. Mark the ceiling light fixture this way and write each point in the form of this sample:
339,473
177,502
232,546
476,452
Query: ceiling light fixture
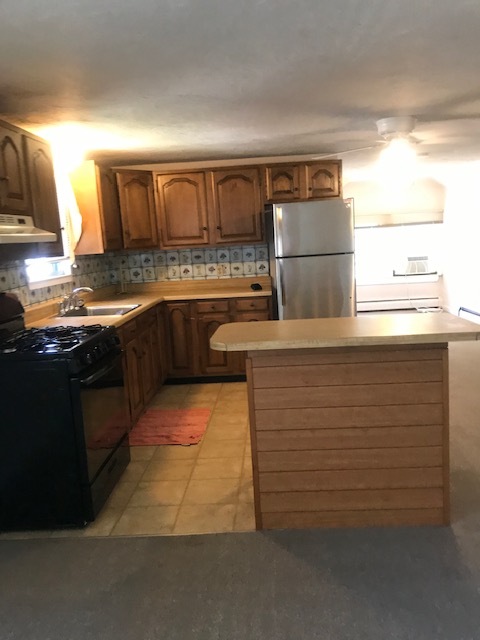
397,163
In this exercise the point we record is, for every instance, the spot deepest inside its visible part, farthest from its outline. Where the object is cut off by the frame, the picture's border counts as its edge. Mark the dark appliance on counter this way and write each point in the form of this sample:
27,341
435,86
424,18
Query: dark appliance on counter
63,426
312,262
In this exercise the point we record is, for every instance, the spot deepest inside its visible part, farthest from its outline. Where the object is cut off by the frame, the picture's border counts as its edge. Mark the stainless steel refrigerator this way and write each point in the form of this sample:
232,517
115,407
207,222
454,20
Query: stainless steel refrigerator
311,247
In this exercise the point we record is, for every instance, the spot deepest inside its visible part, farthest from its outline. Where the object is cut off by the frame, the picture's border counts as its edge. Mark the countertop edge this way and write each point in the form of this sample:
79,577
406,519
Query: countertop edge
321,333
341,342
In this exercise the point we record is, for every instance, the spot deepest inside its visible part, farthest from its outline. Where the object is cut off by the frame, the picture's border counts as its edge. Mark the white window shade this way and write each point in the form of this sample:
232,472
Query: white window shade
422,202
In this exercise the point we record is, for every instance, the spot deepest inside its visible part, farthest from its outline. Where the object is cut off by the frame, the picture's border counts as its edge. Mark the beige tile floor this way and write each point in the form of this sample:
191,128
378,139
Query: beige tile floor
168,490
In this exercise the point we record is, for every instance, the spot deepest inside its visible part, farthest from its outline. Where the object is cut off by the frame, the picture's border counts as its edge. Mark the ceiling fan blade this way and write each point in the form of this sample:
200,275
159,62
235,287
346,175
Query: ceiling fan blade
325,156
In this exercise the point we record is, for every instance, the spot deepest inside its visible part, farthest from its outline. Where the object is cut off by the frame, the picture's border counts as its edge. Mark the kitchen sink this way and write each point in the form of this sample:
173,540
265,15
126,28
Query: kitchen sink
101,310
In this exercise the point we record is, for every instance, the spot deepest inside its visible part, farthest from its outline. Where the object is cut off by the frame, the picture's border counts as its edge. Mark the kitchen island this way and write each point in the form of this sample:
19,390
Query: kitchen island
349,418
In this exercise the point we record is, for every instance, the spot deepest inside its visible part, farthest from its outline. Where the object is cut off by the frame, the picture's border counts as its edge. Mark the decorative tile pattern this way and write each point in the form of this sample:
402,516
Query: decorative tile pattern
172,258
185,256
147,266
147,259
223,255
186,271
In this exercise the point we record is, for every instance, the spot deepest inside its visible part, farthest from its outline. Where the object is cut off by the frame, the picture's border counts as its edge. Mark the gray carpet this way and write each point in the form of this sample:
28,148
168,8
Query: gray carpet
366,584
371,584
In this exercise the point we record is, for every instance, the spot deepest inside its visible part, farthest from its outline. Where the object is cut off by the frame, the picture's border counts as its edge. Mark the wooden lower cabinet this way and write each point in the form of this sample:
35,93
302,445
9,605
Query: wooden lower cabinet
140,340
180,339
148,339
190,325
209,361
350,437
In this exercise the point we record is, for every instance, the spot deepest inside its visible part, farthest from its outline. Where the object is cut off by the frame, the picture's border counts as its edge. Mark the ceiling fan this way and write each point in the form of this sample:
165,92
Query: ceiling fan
391,130
440,136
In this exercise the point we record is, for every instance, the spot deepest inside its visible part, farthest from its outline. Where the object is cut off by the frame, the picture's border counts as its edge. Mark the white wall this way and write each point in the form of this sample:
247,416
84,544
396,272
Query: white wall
462,235
461,250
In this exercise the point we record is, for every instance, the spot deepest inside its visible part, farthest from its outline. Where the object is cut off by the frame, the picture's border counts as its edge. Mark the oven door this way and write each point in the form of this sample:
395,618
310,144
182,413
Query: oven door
104,412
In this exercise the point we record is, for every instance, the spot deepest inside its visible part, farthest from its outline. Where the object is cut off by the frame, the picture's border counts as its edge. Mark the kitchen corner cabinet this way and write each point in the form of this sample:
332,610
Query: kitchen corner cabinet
206,208
137,207
13,179
43,192
303,181
140,343
27,186
190,325
182,209
96,193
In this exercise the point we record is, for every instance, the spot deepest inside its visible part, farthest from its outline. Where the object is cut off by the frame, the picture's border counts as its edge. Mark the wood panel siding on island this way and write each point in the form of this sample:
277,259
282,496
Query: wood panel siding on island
363,430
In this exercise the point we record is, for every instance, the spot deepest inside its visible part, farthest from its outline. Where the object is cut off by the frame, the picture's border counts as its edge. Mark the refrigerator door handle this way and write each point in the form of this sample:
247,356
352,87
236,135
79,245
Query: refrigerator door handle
283,296
278,223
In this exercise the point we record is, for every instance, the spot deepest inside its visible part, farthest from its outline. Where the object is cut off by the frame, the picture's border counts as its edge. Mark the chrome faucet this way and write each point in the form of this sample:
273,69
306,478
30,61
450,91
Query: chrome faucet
72,301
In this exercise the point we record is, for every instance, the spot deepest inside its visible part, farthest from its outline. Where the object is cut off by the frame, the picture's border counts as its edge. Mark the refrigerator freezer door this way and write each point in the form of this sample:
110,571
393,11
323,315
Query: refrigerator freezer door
316,287
313,228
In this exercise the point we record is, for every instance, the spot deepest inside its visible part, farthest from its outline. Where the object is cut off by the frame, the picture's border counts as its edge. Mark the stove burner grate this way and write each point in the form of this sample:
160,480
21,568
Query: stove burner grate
50,340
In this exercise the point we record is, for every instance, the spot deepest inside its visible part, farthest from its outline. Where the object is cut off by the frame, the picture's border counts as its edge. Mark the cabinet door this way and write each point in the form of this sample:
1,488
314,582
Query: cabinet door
137,209
148,360
43,192
182,209
283,183
162,344
250,310
134,378
110,217
210,361
13,182
237,206
324,180
182,355
96,193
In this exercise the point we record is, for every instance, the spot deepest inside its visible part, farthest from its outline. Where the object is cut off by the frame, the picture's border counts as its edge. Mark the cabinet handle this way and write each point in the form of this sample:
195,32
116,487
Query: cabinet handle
295,189
219,228
310,189
204,228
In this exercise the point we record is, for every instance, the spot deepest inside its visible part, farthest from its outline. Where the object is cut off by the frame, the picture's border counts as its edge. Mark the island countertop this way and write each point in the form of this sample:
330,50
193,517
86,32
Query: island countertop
391,329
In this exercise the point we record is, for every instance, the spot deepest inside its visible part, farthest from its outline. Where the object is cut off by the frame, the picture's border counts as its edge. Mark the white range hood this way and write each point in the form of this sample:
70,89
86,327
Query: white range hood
21,229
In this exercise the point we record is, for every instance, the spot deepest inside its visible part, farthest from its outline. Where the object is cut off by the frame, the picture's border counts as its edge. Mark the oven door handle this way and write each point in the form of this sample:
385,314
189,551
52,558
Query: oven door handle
99,373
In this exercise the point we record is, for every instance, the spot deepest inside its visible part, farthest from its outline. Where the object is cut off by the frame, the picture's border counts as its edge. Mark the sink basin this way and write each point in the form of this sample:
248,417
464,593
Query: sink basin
101,310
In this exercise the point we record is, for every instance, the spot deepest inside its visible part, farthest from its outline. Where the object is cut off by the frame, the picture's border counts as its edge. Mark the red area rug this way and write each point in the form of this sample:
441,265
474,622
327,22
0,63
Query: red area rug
170,426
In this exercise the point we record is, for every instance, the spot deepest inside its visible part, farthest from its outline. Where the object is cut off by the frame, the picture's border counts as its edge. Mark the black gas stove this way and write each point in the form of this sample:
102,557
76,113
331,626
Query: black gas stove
81,346
65,422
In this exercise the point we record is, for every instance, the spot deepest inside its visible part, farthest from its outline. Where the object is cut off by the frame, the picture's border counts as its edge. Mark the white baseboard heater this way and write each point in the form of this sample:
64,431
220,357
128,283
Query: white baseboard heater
400,304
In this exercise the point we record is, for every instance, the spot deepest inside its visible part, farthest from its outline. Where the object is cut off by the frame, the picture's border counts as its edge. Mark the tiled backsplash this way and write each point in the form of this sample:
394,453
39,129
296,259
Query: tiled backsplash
144,266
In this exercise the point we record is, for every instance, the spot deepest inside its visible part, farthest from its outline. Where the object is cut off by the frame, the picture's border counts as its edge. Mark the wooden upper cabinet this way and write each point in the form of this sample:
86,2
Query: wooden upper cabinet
182,209
303,181
43,192
237,206
110,217
324,180
95,190
135,189
283,183
13,182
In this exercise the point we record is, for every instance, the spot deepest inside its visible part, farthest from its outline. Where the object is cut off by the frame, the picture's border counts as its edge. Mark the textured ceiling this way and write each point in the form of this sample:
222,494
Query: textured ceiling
213,79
